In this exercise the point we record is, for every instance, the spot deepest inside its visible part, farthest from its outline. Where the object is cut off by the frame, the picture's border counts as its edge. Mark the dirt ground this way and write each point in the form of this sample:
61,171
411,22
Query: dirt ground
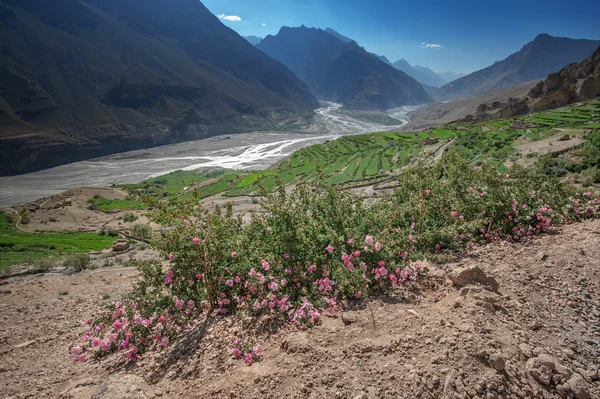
538,336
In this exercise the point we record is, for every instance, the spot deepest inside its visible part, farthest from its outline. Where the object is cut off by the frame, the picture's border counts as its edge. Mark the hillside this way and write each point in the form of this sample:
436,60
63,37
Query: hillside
538,58
342,72
423,75
575,82
81,79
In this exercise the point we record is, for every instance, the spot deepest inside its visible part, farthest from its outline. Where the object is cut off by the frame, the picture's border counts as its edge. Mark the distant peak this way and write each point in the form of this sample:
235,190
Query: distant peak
542,36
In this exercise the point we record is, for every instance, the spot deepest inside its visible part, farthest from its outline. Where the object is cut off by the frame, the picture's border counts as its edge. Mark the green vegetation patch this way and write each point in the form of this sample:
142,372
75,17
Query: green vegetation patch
18,247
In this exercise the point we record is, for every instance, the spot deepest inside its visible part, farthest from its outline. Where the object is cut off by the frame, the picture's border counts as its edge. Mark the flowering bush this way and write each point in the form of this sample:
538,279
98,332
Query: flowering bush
310,248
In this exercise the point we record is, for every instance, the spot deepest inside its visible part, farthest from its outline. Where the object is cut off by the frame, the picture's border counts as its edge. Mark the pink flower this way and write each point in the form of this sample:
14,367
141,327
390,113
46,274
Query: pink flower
329,249
369,240
233,254
196,240
427,192
171,257
265,265
269,229
168,280
357,253
378,246
96,342
312,268
248,359
236,353
80,358
349,240
164,341
482,194
229,283
76,350
237,279
461,217
199,276
257,350
454,214
288,271
286,256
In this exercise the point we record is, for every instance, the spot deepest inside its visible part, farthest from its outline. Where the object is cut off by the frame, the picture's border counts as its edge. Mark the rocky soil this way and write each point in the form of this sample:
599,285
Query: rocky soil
504,321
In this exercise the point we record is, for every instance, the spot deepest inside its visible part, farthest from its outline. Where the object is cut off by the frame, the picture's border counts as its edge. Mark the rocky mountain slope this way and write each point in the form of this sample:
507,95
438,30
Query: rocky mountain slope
423,75
84,78
503,321
342,72
575,82
543,55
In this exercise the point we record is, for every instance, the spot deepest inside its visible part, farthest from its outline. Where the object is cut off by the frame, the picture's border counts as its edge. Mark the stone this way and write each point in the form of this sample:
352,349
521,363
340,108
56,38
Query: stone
464,275
497,361
541,368
542,256
566,137
536,325
526,350
121,245
579,387
569,353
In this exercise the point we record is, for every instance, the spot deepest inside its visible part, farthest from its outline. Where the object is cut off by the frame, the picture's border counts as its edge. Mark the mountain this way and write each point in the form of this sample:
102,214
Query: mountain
421,74
85,78
338,36
573,83
254,40
342,72
449,76
346,39
543,55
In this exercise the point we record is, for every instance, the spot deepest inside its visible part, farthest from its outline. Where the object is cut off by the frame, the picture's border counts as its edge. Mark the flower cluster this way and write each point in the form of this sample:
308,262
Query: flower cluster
249,353
318,245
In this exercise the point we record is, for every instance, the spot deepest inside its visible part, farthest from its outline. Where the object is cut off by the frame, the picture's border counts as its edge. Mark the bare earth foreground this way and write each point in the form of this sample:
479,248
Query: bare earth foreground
537,337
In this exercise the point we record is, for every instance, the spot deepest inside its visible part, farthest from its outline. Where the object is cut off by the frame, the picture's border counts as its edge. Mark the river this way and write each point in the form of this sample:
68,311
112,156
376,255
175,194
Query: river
255,150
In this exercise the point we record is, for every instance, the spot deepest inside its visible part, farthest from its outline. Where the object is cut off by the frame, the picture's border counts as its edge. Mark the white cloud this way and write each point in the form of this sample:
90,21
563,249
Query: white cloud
430,45
263,24
233,18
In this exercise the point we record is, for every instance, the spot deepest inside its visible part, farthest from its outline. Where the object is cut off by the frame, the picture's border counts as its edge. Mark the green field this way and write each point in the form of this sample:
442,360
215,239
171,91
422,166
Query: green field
372,157
18,247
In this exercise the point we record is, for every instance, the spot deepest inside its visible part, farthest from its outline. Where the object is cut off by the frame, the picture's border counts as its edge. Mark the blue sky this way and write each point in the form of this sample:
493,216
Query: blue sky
471,34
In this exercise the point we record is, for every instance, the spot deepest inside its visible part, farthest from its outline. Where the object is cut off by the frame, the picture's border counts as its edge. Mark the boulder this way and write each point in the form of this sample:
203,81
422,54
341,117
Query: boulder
541,368
121,245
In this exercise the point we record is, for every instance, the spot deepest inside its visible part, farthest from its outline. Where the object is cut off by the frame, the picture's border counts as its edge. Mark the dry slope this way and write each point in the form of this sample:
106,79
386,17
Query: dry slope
537,336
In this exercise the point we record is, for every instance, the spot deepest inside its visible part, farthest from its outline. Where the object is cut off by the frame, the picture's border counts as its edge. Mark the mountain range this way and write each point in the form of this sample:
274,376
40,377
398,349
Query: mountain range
449,76
421,74
85,78
341,71
254,40
543,55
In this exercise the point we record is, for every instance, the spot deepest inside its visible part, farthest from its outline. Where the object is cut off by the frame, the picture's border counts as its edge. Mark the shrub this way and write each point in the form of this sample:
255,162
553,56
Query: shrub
317,245
44,265
77,262
25,218
142,231
129,217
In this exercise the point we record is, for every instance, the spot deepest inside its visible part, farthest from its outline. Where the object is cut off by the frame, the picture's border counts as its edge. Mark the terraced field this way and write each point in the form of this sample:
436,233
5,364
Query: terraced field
372,157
